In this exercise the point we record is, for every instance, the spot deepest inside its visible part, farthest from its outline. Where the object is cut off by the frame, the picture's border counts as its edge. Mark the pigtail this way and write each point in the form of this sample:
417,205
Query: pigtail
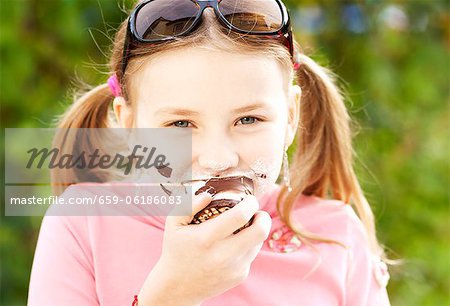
90,111
323,161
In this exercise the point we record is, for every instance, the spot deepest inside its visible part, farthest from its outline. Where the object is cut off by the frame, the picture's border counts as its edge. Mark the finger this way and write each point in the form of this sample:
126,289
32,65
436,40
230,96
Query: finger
230,220
183,214
251,236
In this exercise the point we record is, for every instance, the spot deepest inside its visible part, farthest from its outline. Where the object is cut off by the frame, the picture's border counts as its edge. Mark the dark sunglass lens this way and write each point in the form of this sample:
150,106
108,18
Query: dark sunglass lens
252,15
161,18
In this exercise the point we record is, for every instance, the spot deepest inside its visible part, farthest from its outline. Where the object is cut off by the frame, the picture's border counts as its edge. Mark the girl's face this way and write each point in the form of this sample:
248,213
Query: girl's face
240,108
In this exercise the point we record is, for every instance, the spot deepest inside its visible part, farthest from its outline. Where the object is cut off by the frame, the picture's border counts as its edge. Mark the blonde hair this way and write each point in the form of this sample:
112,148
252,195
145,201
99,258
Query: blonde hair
324,139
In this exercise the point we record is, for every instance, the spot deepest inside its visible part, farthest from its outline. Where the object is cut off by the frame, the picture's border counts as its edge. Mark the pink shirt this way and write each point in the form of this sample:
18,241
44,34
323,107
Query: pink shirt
104,260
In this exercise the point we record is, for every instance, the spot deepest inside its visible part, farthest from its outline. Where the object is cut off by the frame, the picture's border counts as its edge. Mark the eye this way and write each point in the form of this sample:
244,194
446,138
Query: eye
249,120
244,120
180,124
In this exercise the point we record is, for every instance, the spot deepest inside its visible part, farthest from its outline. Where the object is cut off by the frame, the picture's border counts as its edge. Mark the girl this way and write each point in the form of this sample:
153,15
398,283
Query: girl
230,72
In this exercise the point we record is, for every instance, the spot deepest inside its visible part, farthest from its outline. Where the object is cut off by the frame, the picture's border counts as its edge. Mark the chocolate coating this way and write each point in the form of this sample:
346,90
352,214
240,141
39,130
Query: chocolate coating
236,184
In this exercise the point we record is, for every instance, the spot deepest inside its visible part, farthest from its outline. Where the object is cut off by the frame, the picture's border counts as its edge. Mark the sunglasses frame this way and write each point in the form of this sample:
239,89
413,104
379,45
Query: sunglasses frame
284,34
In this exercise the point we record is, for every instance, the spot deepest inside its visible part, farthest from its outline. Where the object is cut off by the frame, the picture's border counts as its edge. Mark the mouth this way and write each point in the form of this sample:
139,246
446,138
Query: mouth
214,178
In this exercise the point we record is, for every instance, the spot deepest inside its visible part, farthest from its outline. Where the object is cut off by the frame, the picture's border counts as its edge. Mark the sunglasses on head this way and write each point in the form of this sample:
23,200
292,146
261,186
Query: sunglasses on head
156,21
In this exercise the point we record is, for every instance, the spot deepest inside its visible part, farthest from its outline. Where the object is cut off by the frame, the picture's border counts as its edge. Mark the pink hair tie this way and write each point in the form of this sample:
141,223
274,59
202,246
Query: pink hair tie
297,61
114,86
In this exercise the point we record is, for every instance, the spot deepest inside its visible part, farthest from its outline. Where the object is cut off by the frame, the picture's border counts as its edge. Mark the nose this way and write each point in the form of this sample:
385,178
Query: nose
216,155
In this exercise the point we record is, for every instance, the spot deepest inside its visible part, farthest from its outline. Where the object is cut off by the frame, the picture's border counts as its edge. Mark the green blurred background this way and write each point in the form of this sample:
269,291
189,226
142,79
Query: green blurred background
393,57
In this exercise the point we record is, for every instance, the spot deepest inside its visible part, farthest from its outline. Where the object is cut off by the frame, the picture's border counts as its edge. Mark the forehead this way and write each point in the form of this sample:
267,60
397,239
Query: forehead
195,75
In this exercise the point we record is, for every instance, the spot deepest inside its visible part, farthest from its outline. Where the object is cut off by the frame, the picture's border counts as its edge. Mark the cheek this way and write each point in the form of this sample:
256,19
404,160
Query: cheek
263,154
268,165
268,140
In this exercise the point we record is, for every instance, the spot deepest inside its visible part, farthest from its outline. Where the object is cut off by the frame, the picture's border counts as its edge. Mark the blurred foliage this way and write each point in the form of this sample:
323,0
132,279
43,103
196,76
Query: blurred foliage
392,57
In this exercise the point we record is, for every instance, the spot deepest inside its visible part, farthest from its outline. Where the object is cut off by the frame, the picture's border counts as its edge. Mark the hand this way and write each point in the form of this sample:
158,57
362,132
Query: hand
199,261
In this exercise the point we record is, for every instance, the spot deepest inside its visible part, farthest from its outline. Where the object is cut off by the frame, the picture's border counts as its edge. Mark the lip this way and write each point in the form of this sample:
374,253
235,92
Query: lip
217,178
228,176
253,176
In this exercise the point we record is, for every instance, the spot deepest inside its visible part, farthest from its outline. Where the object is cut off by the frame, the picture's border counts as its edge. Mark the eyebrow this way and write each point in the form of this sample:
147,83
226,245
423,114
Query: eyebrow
187,112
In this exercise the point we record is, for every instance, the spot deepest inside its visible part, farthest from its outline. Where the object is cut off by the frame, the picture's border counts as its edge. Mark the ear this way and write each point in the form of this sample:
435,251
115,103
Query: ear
123,112
295,93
